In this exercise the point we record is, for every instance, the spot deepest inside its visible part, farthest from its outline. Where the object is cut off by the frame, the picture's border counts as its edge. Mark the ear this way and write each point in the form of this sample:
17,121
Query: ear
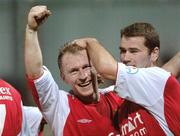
62,76
155,55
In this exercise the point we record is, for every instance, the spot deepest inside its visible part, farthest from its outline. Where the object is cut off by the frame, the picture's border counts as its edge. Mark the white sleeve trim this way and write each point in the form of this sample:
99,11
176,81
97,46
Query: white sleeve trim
107,89
54,102
144,86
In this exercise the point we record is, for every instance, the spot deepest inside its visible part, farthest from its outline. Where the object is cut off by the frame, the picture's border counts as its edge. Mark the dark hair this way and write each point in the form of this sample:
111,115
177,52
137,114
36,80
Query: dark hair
145,30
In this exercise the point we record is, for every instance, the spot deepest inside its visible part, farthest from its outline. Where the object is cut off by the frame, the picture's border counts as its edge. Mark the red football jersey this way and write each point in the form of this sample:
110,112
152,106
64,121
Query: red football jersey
157,92
69,116
10,110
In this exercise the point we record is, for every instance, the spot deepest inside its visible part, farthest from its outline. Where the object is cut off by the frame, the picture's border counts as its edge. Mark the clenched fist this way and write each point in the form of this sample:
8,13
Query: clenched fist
36,16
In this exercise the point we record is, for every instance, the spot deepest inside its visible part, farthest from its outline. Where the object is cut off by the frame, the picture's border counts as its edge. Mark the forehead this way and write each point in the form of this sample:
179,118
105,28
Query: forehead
74,60
133,42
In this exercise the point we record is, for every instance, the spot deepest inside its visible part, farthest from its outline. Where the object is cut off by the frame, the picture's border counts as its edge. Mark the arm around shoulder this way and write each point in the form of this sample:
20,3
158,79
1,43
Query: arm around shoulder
103,61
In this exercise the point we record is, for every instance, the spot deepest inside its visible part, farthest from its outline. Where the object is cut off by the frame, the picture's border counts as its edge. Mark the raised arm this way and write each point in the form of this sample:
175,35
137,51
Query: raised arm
32,52
173,65
102,60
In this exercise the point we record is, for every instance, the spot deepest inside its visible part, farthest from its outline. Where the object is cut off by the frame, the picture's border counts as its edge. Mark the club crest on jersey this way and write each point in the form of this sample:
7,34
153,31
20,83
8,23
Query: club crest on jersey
131,70
84,121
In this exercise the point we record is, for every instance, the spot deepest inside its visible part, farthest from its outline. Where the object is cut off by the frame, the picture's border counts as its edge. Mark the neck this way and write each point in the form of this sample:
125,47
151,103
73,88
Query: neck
88,99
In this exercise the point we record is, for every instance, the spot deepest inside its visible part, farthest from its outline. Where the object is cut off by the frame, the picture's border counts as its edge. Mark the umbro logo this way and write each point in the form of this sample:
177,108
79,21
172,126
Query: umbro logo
84,121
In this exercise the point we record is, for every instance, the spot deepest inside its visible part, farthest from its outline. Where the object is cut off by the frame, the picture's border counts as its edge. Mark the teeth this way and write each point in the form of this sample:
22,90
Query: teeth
84,85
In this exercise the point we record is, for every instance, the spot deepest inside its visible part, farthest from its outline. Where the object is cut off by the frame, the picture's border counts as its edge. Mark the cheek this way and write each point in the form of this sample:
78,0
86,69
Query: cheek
69,80
121,57
142,62
138,60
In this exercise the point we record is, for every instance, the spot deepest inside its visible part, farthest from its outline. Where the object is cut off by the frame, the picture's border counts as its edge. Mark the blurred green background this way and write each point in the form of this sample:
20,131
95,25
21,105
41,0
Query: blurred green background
72,19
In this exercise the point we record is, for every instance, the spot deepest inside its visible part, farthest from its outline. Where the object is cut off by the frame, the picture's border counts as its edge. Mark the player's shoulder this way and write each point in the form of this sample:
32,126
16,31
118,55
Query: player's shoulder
107,89
8,90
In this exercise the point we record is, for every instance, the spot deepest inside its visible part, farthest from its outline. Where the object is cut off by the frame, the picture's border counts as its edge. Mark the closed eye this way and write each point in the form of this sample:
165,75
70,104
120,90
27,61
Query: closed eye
86,66
73,71
122,50
134,50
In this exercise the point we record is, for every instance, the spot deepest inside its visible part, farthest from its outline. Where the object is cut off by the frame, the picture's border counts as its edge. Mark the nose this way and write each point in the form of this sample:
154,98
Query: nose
83,75
126,57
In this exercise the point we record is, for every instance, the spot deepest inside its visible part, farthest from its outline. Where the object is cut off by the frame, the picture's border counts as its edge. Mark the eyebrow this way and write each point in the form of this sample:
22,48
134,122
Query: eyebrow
121,48
76,69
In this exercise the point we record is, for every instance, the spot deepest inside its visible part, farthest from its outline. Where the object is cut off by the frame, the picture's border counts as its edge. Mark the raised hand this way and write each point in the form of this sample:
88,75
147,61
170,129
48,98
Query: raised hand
37,16
83,42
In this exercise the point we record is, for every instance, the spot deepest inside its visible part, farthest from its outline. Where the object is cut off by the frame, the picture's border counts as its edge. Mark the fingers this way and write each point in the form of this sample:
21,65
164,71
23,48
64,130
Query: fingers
99,79
81,42
37,16
42,14
40,19
95,83
84,42
40,11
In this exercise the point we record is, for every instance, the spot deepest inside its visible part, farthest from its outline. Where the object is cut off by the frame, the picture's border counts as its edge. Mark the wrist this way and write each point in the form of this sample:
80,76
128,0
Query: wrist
30,29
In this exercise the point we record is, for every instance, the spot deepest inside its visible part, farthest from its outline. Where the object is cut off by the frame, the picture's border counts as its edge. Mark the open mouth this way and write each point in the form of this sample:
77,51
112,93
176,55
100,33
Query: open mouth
85,84
130,65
